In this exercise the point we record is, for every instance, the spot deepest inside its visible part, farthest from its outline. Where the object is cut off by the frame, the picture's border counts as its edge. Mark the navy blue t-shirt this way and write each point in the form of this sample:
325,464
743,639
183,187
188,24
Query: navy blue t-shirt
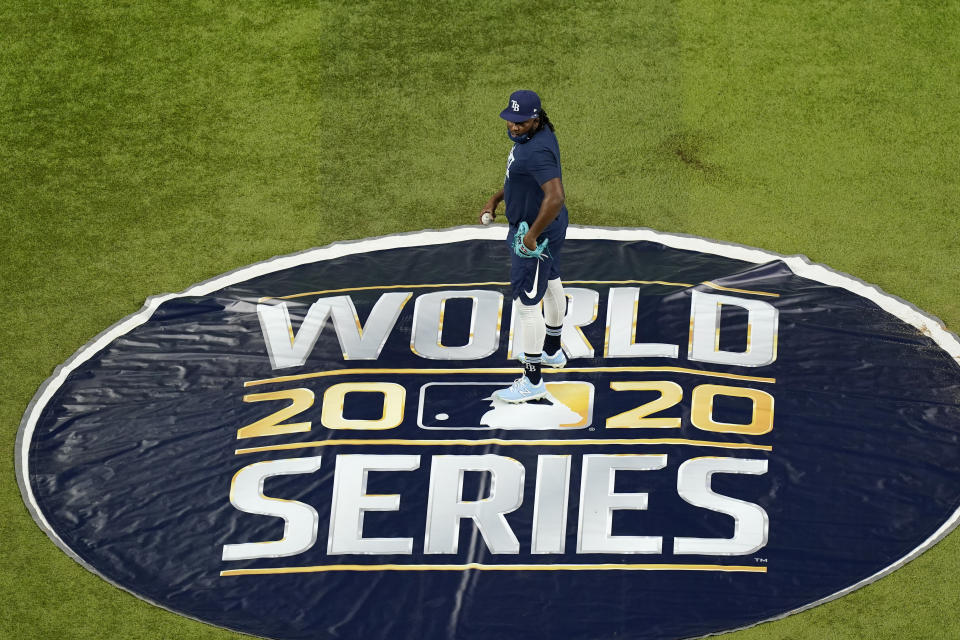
529,165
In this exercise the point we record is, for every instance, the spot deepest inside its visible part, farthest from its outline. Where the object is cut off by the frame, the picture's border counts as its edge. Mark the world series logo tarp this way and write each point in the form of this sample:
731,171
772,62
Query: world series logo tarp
309,447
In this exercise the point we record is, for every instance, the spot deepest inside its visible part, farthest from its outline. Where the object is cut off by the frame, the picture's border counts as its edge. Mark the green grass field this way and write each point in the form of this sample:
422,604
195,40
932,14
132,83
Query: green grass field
149,146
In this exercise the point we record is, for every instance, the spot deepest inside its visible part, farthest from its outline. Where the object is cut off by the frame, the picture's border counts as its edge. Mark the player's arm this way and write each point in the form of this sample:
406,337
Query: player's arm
549,210
492,204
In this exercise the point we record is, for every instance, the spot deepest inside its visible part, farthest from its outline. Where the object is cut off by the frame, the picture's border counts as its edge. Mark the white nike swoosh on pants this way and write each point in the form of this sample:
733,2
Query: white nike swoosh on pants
536,276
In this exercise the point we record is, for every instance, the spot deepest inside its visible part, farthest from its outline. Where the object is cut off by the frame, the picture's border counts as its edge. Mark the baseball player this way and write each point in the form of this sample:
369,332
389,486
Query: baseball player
533,192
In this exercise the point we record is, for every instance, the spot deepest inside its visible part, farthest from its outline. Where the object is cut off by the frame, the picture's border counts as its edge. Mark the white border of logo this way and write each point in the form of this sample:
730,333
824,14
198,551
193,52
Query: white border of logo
800,265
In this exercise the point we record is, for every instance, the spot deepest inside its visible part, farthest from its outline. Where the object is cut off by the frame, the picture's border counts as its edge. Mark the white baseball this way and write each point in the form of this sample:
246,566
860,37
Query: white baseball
486,218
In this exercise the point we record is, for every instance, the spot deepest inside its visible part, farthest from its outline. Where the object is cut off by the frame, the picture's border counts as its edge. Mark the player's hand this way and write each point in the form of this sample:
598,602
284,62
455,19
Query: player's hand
530,241
487,209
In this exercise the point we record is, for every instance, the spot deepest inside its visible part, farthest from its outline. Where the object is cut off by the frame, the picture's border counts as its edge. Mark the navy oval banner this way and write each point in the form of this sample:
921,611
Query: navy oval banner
309,447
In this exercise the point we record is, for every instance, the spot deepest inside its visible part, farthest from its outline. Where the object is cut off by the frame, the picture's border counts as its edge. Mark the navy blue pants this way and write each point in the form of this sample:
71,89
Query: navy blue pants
529,276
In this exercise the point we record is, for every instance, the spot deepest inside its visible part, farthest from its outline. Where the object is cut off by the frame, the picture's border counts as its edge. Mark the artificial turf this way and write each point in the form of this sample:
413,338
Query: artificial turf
148,146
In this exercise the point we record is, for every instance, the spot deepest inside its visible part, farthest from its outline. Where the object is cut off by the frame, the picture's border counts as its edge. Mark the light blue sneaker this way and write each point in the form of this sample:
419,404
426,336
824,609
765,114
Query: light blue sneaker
522,390
556,361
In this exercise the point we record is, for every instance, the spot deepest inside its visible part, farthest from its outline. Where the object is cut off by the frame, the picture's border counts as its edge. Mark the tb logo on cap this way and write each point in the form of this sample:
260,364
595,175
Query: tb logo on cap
515,105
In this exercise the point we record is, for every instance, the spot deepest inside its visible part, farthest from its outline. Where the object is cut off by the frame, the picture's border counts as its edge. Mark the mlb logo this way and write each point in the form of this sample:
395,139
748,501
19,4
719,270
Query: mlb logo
471,406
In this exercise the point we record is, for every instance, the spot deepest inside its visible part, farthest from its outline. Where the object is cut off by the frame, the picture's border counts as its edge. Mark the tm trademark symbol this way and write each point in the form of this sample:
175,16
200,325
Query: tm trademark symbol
760,560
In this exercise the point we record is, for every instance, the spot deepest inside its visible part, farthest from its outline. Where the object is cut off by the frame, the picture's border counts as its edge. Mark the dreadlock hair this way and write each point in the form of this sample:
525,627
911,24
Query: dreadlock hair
545,121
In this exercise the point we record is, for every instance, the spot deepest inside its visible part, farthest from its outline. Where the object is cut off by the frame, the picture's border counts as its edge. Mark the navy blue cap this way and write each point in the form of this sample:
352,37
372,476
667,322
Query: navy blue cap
523,105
